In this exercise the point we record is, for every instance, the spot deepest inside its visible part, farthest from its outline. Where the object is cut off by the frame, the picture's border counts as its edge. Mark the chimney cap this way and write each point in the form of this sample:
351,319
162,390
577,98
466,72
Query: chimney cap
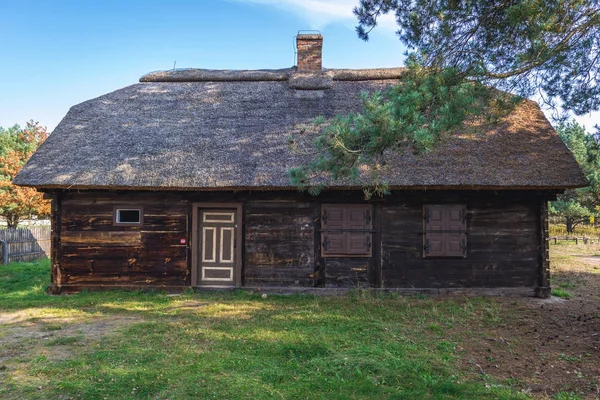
309,35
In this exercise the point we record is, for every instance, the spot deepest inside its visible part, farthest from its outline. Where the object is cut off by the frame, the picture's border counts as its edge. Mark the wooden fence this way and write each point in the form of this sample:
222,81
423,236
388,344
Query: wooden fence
25,244
576,239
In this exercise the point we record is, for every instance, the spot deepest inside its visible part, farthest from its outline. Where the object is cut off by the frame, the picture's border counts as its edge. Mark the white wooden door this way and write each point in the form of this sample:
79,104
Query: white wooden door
217,247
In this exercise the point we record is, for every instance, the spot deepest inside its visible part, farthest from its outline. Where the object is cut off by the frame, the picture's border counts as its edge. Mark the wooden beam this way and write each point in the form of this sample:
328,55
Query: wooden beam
55,270
543,289
376,262
194,246
94,238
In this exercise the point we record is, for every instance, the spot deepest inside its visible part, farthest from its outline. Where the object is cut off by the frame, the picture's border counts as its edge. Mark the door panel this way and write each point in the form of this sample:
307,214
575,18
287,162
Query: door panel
216,274
217,247
210,216
226,249
209,244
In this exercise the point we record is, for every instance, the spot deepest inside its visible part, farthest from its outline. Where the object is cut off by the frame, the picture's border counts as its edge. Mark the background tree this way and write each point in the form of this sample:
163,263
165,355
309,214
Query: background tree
16,146
547,48
578,205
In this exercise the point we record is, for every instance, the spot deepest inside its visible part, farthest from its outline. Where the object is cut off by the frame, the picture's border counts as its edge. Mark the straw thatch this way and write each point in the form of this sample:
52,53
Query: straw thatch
216,75
202,129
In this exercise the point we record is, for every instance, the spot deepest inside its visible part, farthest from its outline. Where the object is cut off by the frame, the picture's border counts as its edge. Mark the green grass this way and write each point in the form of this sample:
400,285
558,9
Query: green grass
564,294
236,345
63,341
566,396
567,285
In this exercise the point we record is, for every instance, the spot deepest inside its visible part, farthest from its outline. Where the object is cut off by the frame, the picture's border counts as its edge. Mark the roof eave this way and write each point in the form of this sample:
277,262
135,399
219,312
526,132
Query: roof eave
47,187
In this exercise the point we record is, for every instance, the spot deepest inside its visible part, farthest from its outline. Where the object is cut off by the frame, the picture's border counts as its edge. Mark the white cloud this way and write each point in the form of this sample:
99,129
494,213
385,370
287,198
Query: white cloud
320,13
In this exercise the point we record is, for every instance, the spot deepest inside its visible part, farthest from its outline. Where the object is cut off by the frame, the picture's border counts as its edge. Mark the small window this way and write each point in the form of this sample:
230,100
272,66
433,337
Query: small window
445,230
128,216
346,230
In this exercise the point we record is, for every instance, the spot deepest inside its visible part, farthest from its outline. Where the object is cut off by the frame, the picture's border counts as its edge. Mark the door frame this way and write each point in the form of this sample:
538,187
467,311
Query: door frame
196,207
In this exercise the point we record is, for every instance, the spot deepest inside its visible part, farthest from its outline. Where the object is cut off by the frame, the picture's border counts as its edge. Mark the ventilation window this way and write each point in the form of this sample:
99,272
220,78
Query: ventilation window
128,216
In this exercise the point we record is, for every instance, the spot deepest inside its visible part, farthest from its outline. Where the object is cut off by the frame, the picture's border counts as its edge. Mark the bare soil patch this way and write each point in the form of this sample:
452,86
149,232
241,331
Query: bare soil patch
551,345
24,333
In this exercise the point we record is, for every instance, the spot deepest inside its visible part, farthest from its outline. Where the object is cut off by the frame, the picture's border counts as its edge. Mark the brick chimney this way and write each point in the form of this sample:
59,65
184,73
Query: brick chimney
310,47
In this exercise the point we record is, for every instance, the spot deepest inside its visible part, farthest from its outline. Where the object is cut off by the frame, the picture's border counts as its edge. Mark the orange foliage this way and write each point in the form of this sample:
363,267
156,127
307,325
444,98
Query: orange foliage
17,202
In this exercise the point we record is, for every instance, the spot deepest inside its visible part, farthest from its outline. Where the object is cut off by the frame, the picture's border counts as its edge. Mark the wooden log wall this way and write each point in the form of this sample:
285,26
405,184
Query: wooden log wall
503,243
279,244
282,240
55,258
93,251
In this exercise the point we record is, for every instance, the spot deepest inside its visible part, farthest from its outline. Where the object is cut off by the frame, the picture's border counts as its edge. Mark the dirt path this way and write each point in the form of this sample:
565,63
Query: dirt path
547,345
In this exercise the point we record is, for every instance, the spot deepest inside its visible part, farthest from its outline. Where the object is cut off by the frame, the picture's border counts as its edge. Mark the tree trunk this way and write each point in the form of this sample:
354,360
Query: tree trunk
12,220
570,226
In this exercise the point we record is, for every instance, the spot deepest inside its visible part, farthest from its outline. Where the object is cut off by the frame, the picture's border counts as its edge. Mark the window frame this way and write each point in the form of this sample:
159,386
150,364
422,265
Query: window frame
117,209
445,233
345,231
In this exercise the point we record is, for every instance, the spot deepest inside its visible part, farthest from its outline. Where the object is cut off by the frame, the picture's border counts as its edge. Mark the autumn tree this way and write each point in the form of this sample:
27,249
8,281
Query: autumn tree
16,146
457,50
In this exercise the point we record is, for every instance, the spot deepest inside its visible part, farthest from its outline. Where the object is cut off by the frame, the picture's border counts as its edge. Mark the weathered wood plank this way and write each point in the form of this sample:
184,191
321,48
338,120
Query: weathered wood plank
138,279
151,210
105,223
279,244
344,272
92,238
285,277
55,269
543,288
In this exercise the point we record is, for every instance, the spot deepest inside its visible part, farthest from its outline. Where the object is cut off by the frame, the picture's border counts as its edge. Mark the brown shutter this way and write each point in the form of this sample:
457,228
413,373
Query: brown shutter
445,231
358,218
334,218
433,245
346,230
456,225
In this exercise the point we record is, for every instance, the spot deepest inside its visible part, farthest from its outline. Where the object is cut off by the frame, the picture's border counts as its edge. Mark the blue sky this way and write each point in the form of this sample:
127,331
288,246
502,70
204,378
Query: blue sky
56,54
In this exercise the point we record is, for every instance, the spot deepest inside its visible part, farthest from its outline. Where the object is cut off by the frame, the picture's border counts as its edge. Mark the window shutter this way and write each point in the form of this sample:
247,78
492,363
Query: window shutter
358,218
346,230
434,241
445,231
456,238
333,218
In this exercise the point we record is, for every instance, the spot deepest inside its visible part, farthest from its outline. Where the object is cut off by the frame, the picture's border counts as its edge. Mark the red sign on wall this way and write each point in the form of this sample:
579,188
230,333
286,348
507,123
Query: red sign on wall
182,241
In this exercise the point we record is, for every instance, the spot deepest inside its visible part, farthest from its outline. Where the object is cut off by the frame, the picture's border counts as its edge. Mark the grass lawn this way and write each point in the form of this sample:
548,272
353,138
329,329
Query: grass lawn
109,345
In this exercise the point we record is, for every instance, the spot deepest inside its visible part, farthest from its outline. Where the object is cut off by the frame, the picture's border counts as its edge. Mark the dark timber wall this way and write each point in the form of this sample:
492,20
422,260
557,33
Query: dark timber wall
280,246
282,240
95,252
503,243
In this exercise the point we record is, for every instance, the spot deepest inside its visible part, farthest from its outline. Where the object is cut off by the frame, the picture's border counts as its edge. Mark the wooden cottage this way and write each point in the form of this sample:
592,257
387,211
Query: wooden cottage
181,180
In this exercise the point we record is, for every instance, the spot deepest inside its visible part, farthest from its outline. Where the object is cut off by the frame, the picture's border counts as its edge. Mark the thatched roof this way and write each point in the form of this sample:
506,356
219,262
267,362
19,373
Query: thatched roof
206,129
